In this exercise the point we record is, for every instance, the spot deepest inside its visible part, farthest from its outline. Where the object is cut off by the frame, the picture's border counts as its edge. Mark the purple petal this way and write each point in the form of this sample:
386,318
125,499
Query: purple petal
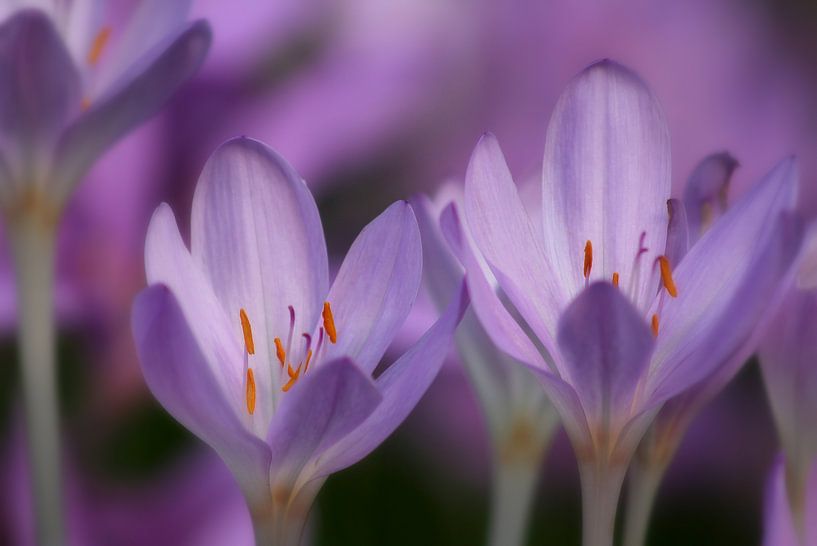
168,262
706,192
779,526
726,283
376,286
40,86
440,266
402,385
179,376
500,326
151,27
321,408
606,179
606,346
116,114
788,357
677,232
257,234
505,236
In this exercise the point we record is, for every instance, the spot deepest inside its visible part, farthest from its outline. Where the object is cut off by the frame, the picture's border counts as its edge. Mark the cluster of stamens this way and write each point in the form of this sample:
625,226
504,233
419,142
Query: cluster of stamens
665,269
282,352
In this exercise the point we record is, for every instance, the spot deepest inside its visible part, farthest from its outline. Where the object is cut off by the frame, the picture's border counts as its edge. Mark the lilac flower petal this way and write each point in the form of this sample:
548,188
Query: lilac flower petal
376,286
779,527
606,346
505,236
121,111
440,265
167,261
40,87
705,193
402,385
606,178
500,326
257,234
179,376
725,283
677,232
320,409
788,358
152,25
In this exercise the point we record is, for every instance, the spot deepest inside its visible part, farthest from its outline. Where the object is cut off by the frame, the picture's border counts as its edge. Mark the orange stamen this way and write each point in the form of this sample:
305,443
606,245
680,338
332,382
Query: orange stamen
654,325
329,323
588,259
666,276
98,45
615,279
308,358
85,104
293,377
280,352
247,329
250,392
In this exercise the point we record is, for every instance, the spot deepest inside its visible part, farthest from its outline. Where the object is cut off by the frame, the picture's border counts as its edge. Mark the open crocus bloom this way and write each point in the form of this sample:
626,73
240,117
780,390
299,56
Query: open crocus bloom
594,298
242,340
77,75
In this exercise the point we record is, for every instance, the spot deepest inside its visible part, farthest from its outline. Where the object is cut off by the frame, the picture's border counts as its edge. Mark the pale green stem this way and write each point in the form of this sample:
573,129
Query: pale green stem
601,487
282,528
643,481
795,481
282,520
513,494
32,244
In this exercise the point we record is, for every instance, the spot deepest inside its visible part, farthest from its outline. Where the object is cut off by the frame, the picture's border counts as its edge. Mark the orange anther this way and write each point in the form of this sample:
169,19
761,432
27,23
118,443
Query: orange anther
588,259
666,276
250,392
280,352
654,325
293,377
329,322
98,45
308,358
615,279
247,329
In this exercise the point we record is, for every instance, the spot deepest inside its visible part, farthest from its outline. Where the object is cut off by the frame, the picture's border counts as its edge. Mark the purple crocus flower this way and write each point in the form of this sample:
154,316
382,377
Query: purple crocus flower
590,299
242,340
75,77
781,527
520,419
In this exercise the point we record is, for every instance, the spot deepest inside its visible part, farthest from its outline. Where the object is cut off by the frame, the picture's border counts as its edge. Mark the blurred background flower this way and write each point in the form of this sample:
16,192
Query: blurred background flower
372,102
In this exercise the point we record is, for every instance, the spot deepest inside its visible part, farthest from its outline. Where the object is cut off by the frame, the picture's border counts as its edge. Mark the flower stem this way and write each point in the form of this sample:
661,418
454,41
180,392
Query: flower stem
32,244
601,486
643,481
282,521
513,494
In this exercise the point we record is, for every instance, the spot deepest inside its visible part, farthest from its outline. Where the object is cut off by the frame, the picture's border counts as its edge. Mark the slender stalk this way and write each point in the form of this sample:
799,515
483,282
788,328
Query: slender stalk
32,244
643,480
282,521
601,487
513,494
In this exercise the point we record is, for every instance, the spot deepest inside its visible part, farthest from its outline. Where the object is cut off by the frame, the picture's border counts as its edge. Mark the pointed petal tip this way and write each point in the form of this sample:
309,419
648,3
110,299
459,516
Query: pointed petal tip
610,67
